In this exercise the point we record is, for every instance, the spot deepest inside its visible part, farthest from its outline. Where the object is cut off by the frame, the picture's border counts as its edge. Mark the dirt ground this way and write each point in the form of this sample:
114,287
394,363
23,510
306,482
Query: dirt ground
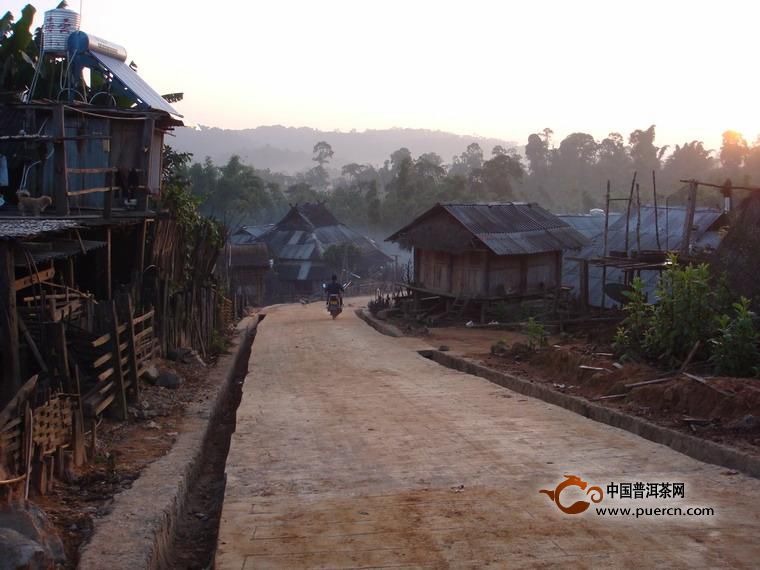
716,410
352,450
124,450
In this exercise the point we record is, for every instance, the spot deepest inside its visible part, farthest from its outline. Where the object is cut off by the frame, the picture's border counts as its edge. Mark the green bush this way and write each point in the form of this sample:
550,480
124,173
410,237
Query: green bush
632,332
734,347
691,307
536,334
688,302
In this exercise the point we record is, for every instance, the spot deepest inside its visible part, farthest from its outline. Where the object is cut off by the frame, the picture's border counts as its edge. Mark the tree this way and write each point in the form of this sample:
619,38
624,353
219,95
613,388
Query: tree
613,160
733,152
646,156
500,173
692,160
352,170
398,157
323,152
537,153
18,52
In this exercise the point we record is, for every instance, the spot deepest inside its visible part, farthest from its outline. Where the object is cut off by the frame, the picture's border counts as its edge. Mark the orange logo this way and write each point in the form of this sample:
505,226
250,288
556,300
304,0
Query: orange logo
578,506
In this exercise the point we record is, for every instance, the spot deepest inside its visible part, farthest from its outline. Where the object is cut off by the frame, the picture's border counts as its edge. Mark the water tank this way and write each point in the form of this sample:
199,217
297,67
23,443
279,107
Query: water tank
56,28
81,42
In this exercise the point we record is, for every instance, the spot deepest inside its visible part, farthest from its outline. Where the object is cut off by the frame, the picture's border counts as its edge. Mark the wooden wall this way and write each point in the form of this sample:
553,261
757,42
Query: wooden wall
481,273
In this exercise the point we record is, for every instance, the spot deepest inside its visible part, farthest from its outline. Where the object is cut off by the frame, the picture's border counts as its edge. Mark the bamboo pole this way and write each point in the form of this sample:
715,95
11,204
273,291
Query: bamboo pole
628,213
656,213
638,219
606,233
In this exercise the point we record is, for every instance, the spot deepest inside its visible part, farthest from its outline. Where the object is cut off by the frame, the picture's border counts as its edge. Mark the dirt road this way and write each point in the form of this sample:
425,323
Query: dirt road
352,450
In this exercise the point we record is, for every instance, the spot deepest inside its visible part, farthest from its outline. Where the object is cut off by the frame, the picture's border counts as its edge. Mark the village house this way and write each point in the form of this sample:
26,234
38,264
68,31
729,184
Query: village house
307,246
247,265
89,264
487,252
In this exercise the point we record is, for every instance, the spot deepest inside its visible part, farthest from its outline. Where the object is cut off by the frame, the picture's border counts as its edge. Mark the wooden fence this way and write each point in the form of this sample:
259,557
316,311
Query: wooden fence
39,443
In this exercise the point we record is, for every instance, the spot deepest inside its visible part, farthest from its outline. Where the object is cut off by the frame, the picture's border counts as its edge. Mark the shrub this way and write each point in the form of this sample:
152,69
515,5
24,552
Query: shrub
536,334
632,332
734,347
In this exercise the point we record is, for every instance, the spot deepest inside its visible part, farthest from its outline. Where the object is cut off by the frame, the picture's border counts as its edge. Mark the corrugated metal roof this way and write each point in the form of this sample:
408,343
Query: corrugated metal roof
590,225
297,252
248,234
511,228
60,249
670,223
22,228
135,83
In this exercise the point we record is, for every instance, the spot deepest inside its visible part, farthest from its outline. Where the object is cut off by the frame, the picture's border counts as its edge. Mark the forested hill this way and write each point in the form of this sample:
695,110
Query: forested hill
289,149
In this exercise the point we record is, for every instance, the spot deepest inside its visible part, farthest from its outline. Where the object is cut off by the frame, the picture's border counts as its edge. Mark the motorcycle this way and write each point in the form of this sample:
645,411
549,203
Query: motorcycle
334,306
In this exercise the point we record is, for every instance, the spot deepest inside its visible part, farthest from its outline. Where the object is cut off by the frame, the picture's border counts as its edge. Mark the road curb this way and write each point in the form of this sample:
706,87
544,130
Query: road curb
703,450
138,531
385,328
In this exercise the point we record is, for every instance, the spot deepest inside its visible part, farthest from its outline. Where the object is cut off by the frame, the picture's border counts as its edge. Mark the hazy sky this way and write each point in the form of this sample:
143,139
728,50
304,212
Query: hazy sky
498,68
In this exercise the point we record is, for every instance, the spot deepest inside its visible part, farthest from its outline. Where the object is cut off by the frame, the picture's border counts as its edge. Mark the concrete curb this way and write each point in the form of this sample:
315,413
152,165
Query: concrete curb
703,450
384,328
138,532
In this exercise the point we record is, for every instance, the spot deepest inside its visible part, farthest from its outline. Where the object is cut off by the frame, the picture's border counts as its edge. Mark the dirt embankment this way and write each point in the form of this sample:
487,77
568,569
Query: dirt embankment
124,450
724,410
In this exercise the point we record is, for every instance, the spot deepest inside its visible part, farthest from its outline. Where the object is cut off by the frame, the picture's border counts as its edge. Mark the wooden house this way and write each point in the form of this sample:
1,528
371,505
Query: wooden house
306,246
487,251
247,265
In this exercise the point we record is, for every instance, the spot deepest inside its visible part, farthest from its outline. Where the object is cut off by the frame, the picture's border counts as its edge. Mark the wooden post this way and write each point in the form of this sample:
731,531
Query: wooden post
656,213
141,250
606,251
56,334
108,264
628,212
638,219
61,175
9,343
487,276
688,222
108,198
147,144
523,274
112,317
557,281
77,427
584,285
126,315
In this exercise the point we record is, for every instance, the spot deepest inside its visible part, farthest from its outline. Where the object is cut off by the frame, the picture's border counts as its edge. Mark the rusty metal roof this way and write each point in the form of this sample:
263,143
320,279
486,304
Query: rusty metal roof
510,228
249,255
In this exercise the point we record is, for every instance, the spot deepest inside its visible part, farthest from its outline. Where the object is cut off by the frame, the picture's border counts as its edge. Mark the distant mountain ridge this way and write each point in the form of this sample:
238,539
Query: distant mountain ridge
289,149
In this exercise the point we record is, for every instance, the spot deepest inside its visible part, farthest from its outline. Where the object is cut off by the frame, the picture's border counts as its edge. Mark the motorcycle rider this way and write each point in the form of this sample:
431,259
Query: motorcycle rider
334,288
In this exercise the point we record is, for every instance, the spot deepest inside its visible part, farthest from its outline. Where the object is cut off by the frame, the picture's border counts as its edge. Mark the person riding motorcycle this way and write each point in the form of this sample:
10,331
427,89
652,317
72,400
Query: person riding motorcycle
334,288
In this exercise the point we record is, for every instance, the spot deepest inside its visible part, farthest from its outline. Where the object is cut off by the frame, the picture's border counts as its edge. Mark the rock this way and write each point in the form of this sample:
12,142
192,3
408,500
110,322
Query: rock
745,423
153,425
500,348
151,373
168,379
21,552
444,348
39,543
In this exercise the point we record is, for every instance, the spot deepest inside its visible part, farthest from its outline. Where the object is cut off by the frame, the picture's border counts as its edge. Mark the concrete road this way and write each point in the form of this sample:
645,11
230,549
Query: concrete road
353,451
